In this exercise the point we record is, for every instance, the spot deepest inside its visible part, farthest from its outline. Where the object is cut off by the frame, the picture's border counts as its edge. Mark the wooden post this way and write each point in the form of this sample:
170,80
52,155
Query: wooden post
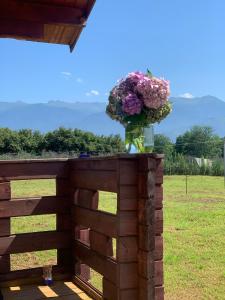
150,223
88,199
64,223
126,286
5,194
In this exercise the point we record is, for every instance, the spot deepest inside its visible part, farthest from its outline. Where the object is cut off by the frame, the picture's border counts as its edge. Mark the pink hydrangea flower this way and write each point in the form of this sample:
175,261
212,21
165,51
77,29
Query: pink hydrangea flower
155,91
132,105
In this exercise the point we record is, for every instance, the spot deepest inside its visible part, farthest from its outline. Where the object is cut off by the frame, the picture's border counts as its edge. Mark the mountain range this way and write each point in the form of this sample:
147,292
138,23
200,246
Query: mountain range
91,116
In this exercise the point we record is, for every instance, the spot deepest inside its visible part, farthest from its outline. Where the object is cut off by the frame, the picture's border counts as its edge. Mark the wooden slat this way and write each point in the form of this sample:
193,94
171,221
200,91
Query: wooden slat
64,221
86,198
22,29
128,196
94,164
111,292
127,224
33,169
89,290
30,276
146,290
158,252
5,190
99,221
37,241
147,267
101,243
127,249
34,206
94,180
101,264
128,172
36,12
5,225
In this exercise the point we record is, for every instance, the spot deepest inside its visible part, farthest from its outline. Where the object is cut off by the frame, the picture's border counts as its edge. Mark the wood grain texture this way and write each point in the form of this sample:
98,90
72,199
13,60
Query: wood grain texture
33,169
104,266
112,292
34,206
5,224
101,243
94,180
37,241
99,221
30,276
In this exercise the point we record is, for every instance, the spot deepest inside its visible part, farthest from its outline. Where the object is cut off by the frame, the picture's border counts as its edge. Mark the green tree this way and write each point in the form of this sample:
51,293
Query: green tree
199,142
163,145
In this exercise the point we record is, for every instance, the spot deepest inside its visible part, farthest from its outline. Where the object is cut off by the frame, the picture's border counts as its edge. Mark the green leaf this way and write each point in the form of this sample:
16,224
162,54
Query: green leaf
149,73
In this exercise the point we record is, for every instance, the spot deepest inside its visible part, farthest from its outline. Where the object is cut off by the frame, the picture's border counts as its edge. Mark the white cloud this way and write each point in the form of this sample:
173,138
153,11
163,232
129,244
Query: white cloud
79,80
187,96
93,93
67,74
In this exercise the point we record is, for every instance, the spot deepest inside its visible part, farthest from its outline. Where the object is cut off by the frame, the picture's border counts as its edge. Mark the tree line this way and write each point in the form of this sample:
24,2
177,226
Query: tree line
62,140
200,142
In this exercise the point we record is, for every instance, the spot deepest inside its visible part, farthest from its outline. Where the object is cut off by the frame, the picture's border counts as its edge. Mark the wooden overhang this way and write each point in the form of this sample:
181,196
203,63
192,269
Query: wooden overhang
49,21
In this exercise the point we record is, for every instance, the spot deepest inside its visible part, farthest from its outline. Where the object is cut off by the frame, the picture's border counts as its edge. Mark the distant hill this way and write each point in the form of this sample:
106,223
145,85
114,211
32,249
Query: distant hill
207,110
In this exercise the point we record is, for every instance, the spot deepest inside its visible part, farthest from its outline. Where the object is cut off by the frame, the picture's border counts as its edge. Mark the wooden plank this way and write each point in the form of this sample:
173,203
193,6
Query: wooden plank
94,180
147,215
158,252
127,224
147,267
127,249
111,292
89,290
5,225
5,190
33,169
34,206
36,12
158,197
128,172
94,164
101,243
99,221
159,293
128,197
127,276
86,198
4,264
21,29
37,241
101,264
64,221
149,291
30,276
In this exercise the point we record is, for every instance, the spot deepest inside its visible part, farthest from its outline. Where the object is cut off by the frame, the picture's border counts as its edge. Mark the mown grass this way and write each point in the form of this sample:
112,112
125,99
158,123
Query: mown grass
194,234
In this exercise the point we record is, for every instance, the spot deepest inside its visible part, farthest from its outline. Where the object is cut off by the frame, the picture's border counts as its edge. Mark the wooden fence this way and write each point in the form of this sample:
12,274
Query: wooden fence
84,234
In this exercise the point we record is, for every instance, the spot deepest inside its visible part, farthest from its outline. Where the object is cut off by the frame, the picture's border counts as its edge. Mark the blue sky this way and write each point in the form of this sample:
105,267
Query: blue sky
181,40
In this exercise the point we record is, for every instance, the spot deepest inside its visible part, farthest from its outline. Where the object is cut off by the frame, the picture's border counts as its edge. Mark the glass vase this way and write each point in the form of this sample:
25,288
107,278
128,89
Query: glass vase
139,139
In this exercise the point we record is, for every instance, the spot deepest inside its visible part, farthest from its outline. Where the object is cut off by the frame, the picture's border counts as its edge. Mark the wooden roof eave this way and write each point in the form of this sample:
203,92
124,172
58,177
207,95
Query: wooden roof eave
21,19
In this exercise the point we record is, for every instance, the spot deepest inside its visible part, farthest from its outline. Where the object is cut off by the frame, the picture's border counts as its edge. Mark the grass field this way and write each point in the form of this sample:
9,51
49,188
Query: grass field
194,234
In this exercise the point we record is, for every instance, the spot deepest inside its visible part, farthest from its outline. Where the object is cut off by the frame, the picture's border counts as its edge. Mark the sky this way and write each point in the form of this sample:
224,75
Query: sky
180,40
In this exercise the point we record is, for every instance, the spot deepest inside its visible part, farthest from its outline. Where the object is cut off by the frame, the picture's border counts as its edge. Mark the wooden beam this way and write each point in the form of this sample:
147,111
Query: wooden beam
34,206
40,13
21,29
99,221
105,266
38,241
33,169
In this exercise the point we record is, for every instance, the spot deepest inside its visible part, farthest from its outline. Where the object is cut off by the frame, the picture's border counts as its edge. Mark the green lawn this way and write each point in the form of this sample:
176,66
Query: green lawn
194,234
